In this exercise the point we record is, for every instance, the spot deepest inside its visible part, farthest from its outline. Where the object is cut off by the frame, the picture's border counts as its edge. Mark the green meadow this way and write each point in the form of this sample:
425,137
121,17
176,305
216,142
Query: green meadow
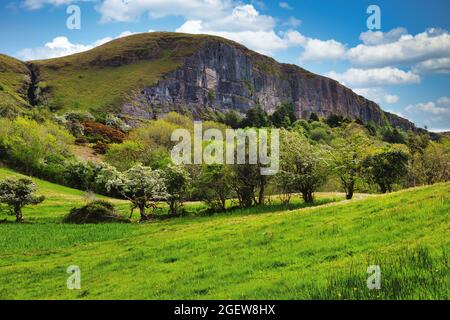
319,252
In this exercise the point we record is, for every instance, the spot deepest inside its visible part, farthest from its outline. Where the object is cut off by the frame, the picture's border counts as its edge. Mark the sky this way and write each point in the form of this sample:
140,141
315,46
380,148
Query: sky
399,58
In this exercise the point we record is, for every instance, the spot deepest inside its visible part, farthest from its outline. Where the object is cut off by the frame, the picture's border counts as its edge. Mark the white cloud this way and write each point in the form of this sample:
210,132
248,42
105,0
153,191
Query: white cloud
431,44
444,102
440,65
379,95
363,78
285,5
61,46
37,4
58,47
264,42
292,22
371,38
122,11
440,107
319,50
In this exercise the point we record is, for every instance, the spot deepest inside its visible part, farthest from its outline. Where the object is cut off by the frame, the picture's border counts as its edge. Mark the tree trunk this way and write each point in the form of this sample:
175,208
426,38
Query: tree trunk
350,190
18,212
262,189
308,196
142,212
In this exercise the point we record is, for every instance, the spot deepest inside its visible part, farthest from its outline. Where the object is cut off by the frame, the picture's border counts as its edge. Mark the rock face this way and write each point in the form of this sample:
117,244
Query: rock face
226,76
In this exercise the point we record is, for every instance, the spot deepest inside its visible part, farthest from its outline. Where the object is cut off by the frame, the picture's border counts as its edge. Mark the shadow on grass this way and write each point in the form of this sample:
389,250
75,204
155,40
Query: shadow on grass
201,211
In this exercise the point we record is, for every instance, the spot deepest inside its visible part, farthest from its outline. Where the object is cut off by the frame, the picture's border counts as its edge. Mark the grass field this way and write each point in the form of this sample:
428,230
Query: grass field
309,253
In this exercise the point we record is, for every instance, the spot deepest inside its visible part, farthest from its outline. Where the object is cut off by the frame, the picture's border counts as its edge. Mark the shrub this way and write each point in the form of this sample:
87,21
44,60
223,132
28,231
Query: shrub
17,193
95,131
94,212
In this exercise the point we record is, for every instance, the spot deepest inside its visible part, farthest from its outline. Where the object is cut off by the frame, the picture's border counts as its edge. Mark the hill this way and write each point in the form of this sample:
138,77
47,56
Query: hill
145,75
15,80
320,252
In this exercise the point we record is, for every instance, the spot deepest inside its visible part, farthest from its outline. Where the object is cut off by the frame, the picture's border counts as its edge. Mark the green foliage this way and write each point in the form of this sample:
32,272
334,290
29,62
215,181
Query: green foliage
141,185
284,116
335,121
387,168
177,186
215,185
99,211
313,117
393,135
28,143
256,117
349,152
125,155
233,119
303,164
17,193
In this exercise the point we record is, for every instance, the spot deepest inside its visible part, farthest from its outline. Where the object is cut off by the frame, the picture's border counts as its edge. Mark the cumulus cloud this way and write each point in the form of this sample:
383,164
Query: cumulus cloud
319,50
61,46
125,11
58,47
363,78
431,44
37,4
440,65
379,95
439,107
371,38
263,41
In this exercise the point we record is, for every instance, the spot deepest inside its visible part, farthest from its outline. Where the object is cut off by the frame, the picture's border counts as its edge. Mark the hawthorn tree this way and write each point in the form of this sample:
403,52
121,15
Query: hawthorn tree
304,164
17,193
348,154
141,185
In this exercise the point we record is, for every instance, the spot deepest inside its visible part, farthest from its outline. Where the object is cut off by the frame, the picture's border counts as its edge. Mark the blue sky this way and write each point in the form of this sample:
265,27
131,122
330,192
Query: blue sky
404,66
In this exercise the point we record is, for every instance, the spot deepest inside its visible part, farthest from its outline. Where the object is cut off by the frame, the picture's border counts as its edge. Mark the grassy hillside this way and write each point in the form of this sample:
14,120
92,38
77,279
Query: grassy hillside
320,252
14,79
107,74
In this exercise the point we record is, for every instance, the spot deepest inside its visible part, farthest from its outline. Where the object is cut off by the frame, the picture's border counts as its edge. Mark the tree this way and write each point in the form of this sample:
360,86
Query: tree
387,168
313,117
435,163
256,117
215,185
305,163
348,154
125,155
246,178
178,184
417,143
284,116
17,193
141,185
233,119
393,135
28,143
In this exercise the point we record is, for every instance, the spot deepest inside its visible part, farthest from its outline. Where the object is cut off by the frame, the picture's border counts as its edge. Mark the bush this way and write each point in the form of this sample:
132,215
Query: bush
96,131
94,212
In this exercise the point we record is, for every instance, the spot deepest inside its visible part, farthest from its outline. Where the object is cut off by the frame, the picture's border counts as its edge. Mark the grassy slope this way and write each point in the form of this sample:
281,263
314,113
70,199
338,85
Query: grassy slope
320,252
106,75
13,78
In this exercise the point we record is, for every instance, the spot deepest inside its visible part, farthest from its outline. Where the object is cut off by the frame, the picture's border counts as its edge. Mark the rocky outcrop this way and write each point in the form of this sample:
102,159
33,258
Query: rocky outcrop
223,76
